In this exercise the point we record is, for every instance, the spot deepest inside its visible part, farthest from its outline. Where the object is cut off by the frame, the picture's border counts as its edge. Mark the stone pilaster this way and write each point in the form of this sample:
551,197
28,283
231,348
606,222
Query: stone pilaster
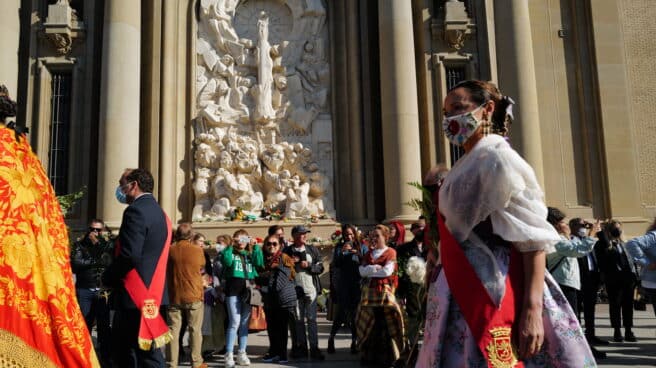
399,110
516,69
119,102
9,39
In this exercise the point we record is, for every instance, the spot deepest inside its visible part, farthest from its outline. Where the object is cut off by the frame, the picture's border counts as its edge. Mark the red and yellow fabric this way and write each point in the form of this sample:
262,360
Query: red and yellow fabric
40,321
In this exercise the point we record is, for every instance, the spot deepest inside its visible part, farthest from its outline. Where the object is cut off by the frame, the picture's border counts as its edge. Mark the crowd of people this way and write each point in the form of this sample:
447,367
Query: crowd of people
214,287
506,284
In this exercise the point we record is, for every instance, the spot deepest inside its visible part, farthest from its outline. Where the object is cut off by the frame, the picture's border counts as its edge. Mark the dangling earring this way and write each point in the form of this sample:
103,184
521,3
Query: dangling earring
486,126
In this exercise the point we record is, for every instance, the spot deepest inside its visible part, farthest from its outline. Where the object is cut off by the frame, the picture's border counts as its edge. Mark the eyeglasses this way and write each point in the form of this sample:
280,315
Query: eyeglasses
271,243
95,230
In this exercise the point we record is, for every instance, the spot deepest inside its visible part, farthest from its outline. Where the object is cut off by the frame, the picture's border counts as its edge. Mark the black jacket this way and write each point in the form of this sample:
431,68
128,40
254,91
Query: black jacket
89,261
142,238
612,262
280,291
315,269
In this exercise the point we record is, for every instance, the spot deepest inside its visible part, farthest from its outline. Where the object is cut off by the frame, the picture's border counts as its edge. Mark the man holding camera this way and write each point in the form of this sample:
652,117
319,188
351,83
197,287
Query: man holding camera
90,256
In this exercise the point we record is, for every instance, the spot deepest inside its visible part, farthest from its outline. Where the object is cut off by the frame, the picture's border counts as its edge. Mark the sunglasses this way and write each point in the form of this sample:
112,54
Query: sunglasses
95,230
271,243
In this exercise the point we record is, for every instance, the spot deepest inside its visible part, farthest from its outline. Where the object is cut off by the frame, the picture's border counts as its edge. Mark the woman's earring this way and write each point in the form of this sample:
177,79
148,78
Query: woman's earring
486,126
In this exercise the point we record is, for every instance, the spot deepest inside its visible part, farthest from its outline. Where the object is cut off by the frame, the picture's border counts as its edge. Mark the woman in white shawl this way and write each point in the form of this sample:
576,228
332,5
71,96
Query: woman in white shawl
494,221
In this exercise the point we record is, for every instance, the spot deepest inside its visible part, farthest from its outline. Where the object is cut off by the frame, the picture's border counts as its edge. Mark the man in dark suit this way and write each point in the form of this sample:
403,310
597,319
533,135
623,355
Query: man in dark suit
138,274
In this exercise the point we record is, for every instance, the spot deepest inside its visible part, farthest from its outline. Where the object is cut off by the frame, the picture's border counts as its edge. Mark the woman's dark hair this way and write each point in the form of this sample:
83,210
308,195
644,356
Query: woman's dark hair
198,236
481,92
273,229
610,225
356,241
554,216
266,239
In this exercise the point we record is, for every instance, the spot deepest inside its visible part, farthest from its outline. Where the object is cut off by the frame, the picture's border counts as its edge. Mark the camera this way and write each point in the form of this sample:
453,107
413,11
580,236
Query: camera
587,225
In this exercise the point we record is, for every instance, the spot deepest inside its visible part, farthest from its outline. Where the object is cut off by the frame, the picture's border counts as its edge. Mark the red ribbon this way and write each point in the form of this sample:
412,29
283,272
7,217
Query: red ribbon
491,326
153,329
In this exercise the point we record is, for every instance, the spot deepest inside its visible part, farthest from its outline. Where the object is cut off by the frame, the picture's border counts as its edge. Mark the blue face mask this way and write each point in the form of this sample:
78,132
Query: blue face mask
120,196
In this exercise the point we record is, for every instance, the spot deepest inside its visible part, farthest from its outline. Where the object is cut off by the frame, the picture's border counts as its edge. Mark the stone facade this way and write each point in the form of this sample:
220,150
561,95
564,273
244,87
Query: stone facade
329,108
639,50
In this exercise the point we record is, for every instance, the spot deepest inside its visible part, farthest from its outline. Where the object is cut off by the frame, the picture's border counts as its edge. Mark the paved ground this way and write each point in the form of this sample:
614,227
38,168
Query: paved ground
638,355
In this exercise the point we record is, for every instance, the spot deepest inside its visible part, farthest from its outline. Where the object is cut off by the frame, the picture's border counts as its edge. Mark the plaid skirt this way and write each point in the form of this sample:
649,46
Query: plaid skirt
371,301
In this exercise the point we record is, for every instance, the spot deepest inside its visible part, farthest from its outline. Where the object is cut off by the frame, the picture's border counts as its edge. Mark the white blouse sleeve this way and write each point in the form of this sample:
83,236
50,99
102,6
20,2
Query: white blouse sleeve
386,271
524,223
494,181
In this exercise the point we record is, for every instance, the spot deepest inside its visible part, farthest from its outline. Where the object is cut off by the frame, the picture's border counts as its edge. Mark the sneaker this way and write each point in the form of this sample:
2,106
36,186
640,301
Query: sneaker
315,354
242,358
283,360
229,360
269,358
630,337
331,346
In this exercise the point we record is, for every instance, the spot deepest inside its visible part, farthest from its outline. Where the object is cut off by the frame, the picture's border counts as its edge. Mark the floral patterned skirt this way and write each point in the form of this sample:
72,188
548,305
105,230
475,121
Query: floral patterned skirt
448,342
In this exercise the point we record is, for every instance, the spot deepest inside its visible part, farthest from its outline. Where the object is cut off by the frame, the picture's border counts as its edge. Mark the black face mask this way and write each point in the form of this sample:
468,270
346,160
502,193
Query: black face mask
615,232
419,235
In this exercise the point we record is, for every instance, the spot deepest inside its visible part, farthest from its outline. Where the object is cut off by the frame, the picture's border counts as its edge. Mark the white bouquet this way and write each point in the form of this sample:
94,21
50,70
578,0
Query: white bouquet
416,269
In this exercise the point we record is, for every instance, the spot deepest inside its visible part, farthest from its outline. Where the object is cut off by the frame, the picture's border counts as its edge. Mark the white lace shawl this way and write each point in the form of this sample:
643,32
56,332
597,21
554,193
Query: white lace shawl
493,180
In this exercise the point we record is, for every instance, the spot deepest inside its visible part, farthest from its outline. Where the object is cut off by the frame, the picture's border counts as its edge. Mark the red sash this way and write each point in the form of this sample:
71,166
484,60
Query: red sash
153,328
491,326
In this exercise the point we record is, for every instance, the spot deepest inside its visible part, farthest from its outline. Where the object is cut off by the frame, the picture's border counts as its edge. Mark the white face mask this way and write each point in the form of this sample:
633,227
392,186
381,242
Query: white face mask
582,233
459,128
219,247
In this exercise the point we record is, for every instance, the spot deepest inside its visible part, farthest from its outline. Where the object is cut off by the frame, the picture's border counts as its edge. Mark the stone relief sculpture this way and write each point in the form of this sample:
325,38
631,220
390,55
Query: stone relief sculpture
262,82
264,112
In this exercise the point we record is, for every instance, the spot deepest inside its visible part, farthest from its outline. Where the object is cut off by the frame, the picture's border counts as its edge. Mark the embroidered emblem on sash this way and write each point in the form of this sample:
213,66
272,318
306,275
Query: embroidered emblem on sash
149,309
500,350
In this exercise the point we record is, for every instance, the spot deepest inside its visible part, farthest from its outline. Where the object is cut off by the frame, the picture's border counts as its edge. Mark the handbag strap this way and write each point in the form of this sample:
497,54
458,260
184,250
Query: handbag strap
552,269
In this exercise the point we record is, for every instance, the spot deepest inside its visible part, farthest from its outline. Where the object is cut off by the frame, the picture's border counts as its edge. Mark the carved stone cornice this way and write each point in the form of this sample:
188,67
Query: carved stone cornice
457,24
62,27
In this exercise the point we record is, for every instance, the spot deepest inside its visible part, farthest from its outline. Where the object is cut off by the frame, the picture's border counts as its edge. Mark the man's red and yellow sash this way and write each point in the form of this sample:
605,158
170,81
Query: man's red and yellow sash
153,330
492,326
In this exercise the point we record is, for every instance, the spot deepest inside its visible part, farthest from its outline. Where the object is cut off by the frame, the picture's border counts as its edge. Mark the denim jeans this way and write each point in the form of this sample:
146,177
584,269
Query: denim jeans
95,308
307,316
239,314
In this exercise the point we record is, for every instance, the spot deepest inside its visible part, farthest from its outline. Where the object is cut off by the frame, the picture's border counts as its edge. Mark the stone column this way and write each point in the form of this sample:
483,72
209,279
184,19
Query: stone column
399,110
516,69
9,39
118,146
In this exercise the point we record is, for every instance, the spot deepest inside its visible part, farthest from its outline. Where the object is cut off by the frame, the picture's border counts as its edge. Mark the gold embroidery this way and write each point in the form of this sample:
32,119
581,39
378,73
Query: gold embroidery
15,353
500,351
36,284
